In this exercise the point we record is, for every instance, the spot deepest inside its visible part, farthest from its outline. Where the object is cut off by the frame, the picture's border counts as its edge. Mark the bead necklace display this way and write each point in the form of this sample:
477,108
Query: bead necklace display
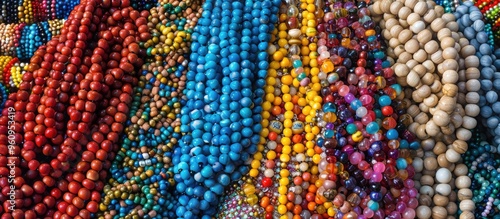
75,117
221,117
443,70
368,142
286,154
141,172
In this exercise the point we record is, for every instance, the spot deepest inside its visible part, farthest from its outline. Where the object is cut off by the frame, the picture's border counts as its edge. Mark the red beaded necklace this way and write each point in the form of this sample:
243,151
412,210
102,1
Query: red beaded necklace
73,153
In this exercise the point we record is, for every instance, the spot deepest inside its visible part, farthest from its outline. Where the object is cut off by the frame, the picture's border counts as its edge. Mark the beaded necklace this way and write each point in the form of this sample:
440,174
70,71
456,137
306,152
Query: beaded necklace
471,24
484,176
142,168
367,126
221,111
75,118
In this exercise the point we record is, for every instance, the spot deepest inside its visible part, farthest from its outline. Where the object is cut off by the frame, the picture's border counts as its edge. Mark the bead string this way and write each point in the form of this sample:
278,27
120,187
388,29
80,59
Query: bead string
222,112
141,172
93,84
444,107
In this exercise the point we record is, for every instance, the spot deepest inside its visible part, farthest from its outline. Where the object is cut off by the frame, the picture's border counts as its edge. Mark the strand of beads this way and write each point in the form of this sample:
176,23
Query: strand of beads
435,60
17,72
285,139
483,170
267,151
57,128
471,24
25,13
4,60
141,174
221,112
3,95
372,150
7,74
481,156
7,41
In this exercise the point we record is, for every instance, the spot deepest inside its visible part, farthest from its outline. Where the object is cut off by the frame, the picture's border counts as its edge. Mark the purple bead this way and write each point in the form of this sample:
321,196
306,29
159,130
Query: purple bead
330,126
379,214
400,207
394,215
393,153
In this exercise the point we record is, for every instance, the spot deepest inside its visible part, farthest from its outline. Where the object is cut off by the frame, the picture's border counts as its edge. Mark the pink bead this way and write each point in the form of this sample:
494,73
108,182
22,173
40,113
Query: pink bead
305,82
366,99
409,214
328,16
368,174
376,177
368,213
270,164
413,192
379,167
355,158
409,183
363,165
321,42
366,119
344,90
413,203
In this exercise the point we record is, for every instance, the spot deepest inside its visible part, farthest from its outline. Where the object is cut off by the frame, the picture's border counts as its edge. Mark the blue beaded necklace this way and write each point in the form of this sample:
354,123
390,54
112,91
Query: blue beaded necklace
221,116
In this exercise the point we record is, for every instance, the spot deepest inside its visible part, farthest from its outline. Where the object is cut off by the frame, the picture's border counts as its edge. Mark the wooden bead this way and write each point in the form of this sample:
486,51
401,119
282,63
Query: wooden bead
450,90
466,215
424,36
396,7
410,3
447,42
452,155
464,134
452,208
385,6
431,47
431,128
463,182
438,24
404,12
467,205
405,35
439,212
413,79
423,212
412,46
417,27
430,16
449,77
464,194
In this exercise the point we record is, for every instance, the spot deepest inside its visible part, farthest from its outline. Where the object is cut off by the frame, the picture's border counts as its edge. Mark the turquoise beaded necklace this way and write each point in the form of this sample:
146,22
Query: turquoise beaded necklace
221,117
